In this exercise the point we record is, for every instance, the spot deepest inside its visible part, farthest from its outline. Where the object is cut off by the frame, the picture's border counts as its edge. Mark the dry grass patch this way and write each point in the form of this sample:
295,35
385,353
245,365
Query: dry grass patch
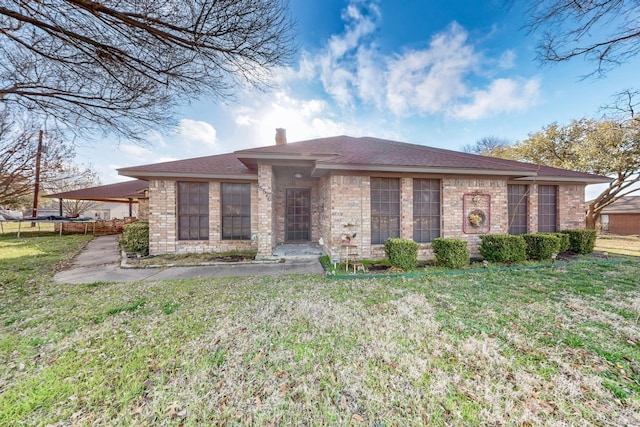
501,348
624,245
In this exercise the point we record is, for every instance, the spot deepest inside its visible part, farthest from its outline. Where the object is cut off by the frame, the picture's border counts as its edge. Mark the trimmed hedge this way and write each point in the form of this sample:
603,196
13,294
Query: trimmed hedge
451,253
503,248
541,246
135,238
581,241
402,253
564,240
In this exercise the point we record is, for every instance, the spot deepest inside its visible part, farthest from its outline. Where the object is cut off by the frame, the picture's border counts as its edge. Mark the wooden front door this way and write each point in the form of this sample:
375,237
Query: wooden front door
298,215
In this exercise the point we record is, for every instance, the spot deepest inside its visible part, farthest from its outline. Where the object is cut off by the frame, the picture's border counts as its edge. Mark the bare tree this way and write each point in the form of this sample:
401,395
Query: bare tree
120,66
605,32
488,146
73,177
18,146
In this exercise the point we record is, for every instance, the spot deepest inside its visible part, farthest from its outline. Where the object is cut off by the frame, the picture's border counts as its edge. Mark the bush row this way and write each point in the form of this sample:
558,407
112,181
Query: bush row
506,248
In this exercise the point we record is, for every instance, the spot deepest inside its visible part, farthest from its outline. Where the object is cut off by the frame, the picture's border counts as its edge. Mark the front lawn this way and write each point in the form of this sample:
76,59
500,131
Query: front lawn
532,347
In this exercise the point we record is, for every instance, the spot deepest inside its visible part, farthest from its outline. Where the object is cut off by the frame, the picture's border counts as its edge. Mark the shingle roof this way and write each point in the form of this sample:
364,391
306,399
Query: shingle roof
224,164
345,152
121,191
626,204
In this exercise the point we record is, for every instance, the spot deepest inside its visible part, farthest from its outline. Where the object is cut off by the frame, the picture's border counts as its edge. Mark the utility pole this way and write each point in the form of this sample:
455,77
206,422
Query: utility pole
36,187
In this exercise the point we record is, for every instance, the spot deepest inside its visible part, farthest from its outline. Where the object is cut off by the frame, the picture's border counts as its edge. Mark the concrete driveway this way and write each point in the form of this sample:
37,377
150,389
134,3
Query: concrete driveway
99,261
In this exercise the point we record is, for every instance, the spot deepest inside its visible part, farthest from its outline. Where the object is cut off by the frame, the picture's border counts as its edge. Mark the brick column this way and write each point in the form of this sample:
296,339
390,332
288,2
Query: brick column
406,208
265,211
162,217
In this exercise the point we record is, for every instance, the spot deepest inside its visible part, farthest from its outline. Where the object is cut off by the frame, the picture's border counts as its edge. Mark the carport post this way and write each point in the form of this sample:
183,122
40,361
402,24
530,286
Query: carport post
130,207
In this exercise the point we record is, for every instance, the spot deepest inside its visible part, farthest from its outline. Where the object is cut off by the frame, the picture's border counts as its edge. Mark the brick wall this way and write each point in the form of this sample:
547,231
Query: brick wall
163,221
162,217
571,207
341,204
143,209
625,224
453,217
266,220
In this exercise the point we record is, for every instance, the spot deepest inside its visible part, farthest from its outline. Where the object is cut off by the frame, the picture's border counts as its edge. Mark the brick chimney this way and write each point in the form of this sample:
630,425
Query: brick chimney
281,136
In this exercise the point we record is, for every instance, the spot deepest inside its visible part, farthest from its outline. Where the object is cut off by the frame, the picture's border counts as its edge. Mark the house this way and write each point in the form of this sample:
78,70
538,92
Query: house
622,216
359,191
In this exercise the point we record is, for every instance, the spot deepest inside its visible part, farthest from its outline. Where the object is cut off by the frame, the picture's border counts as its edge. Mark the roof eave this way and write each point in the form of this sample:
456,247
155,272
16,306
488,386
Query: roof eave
586,180
422,169
185,175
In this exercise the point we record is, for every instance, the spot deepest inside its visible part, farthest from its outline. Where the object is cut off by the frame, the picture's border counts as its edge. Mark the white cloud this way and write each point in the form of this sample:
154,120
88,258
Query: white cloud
196,132
135,150
435,79
428,80
502,95
507,59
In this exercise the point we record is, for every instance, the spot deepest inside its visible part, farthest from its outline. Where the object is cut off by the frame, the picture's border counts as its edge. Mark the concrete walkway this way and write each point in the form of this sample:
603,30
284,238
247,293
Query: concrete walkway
99,261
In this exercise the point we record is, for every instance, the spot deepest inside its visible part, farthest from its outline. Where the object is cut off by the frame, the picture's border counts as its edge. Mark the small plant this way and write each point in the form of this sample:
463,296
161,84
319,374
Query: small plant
581,241
503,248
135,238
451,253
402,253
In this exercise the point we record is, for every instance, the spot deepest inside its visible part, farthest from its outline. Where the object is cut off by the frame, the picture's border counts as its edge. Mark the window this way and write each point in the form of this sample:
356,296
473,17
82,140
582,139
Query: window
547,208
385,209
426,210
518,200
236,211
193,211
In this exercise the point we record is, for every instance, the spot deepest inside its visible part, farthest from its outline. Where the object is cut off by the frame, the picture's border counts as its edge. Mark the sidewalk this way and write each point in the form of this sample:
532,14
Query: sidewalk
99,261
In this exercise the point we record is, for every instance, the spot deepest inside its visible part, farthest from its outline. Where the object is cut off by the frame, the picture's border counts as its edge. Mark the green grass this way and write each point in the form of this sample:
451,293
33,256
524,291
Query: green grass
549,346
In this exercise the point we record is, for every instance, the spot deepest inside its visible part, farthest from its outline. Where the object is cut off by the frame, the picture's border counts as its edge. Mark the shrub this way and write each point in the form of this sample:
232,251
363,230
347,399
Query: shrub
564,240
402,253
503,248
451,253
581,241
541,246
135,238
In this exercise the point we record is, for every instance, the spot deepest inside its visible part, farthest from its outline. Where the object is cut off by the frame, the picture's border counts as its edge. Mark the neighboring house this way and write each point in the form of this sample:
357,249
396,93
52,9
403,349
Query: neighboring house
328,189
111,210
622,216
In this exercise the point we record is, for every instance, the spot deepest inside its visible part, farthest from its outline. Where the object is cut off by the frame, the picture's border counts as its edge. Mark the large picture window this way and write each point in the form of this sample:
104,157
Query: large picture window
193,211
385,209
236,211
547,208
518,201
426,210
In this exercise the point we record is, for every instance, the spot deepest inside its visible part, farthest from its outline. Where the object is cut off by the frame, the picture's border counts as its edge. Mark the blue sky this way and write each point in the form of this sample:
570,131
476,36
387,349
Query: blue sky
443,74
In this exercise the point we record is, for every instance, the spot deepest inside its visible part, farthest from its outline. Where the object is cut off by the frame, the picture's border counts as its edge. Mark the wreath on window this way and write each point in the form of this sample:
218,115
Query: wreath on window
476,218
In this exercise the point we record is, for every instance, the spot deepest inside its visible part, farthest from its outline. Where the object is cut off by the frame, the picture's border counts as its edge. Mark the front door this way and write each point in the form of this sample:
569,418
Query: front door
298,217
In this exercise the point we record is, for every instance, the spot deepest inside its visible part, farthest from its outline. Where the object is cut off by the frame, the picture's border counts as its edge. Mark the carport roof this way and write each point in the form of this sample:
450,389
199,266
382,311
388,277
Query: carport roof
118,192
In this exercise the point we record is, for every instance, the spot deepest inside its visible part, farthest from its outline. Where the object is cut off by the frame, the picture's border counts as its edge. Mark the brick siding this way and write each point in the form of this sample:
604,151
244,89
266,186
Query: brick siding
341,204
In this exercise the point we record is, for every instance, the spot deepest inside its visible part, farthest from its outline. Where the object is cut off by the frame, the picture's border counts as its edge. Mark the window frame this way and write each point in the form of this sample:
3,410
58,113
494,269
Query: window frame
433,207
235,213
387,210
544,199
193,205
514,213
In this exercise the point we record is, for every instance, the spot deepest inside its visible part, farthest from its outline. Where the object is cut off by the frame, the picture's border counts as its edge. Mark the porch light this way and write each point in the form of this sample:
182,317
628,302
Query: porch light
297,175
